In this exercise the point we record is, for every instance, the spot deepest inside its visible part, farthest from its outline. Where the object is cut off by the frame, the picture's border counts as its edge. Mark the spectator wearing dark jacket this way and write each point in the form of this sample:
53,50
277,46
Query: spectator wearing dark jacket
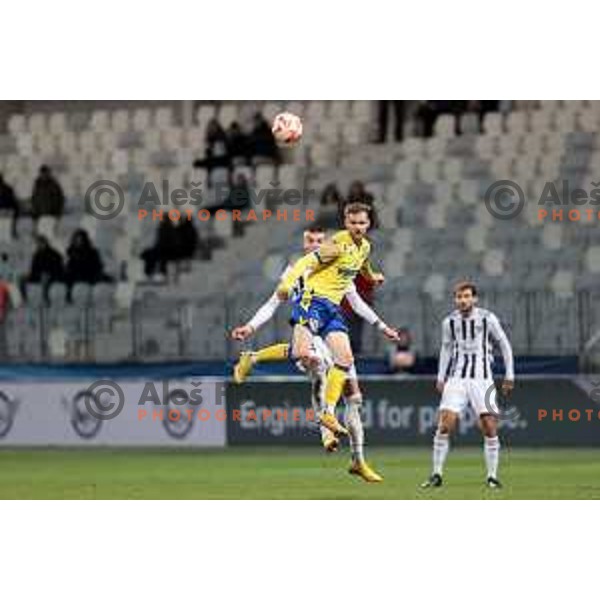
46,266
47,198
84,264
174,242
216,153
9,204
261,140
237,144
331,206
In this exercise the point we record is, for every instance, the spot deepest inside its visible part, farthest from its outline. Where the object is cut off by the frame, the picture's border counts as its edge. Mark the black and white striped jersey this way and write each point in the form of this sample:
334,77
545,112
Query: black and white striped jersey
467,351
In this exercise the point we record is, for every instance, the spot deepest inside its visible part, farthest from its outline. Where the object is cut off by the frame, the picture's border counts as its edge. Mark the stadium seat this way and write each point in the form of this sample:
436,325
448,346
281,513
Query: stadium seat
445,126
120,121
142,119
163,117
492,124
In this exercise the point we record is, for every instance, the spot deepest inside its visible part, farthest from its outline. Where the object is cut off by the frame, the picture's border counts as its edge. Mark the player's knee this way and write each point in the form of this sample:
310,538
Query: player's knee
351,388
354,400
489,427
307,360
443,429
344,361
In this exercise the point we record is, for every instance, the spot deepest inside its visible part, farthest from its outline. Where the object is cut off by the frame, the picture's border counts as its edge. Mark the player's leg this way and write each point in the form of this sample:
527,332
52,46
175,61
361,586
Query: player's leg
454,401
302,347
354,424
247,360
491,448
317,376
341,352
483,402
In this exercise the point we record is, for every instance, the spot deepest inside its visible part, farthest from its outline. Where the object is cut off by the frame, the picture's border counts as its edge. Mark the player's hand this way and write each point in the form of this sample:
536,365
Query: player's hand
241,333
391,334
378,279
507,387
282,294
439,386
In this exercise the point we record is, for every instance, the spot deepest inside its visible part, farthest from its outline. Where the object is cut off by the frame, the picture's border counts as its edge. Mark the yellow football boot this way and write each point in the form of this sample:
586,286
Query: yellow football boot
243,367
330,442
362,469
329,421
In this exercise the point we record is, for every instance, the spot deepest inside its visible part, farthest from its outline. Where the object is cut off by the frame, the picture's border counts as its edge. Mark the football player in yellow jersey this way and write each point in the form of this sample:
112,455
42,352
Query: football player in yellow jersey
332,269
312,240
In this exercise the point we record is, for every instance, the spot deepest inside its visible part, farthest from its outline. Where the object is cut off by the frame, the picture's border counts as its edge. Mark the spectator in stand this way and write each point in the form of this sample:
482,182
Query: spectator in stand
425,117
237,145
46,266
84,264
261,141
47,197
10,298
330,207
175,241
401,358
215,154
238,198
384,109
9,204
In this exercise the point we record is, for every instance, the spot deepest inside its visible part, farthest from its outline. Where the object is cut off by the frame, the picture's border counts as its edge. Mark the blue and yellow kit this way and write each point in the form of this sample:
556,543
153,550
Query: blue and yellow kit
332,269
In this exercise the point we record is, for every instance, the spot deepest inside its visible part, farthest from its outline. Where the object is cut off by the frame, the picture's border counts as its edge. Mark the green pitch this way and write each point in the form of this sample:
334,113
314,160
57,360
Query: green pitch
286,473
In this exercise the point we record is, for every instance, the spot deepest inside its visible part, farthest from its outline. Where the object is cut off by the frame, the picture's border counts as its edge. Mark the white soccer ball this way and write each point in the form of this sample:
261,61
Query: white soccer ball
287,129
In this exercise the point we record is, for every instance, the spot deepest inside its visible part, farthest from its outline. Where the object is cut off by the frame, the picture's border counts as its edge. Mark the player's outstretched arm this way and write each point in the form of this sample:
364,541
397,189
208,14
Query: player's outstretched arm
328,252
445,353
263,315
364,311
499,335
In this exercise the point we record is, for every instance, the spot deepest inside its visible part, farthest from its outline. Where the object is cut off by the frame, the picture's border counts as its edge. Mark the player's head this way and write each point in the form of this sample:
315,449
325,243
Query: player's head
313,238
357,219
465,296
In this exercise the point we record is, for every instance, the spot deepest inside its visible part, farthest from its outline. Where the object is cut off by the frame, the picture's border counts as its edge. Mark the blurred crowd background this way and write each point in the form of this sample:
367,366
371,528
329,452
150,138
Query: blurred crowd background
75,288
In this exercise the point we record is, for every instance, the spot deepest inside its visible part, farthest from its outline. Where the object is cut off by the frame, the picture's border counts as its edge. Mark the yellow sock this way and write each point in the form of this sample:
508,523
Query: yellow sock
272,353
334,385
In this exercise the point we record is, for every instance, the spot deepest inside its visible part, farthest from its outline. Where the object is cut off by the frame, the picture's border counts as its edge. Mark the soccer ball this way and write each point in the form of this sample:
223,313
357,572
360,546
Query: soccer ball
287,129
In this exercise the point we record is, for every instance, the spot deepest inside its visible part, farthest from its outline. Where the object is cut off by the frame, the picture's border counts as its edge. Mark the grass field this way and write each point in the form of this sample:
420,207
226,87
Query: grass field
285,473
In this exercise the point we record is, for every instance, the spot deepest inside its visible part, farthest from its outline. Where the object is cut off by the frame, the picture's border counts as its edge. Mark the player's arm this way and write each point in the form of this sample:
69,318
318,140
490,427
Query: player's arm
364,311
369,272
261,316
327,253
445,354
501,338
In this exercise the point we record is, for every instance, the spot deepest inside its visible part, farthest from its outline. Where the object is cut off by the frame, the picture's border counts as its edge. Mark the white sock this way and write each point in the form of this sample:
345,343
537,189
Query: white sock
491,451
441,445
355,427
316,399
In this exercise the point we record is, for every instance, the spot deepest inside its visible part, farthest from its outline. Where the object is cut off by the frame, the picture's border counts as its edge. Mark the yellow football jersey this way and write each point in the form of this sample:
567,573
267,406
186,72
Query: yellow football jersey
331,280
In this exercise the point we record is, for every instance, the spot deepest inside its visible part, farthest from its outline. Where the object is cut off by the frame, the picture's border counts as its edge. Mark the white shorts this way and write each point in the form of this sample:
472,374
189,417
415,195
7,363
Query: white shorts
479,394
322,352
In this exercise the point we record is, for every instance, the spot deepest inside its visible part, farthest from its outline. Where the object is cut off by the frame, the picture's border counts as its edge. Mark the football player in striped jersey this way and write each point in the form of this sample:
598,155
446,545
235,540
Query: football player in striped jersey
465,378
